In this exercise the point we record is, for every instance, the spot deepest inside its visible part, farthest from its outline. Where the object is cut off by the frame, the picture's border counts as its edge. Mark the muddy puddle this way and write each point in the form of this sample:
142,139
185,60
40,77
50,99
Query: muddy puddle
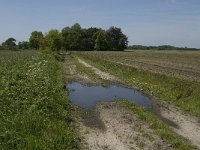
87,96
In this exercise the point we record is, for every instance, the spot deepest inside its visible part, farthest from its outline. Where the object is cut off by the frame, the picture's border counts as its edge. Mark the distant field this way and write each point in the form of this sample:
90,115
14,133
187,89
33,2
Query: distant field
181,64
6,55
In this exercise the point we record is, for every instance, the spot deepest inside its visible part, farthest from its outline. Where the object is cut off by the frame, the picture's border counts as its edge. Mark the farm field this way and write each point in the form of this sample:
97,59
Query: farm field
179,64
37,112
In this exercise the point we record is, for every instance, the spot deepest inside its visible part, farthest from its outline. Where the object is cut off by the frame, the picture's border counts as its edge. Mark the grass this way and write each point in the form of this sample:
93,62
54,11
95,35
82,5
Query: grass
35,109
176,141
183,93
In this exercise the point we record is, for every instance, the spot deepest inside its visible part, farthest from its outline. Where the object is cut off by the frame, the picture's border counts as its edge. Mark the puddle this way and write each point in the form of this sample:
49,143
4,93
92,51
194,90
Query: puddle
87,96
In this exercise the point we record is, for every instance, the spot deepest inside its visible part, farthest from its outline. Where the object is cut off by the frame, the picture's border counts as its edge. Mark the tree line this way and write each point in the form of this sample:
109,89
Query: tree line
162,47
72,38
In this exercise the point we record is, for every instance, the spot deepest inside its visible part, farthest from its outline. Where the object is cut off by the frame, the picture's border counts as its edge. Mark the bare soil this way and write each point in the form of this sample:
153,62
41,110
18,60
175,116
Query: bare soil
116,129
183,124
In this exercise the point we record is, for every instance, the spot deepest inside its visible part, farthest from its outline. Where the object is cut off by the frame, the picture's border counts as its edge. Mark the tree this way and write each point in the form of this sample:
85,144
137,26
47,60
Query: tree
1,47
65,35
53,40
23,45
75,37
117,40
9,44
101,42
88,38
35,39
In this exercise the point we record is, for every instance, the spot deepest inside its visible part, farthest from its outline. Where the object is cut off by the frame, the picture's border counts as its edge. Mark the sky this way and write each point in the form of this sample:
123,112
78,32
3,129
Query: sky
145,22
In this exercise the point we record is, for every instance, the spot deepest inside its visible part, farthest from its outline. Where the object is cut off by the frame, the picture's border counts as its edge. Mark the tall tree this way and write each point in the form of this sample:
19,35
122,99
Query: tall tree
9,44
88,38
117,40
23,45
35,39
75,37
1,47
53,40
65,35
101,42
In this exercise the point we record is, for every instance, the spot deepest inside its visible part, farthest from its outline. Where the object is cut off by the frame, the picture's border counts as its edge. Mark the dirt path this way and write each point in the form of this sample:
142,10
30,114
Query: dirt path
114,128
185,125
71,73
101,74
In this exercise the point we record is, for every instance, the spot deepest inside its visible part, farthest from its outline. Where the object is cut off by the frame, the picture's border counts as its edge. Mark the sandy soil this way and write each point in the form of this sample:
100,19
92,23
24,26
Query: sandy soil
114,128
185,125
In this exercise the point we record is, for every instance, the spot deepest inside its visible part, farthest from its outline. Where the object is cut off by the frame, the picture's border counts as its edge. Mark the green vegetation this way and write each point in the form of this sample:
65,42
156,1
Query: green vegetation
160,128
36,39
9,44
35,110
72,38
183,93
162,47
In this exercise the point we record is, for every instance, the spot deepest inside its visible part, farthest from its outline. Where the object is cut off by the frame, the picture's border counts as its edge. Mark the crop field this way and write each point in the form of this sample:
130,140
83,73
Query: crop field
180,64
34,110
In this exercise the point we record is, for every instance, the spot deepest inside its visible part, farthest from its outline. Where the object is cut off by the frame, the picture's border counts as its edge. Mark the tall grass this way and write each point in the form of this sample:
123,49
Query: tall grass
35,110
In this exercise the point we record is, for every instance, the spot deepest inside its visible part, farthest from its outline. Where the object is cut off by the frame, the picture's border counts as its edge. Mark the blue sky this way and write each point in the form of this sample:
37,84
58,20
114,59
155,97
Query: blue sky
146,22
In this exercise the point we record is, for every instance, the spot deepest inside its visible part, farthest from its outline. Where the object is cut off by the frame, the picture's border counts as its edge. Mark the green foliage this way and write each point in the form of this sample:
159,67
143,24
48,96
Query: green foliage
88,38
65,35
159,127
75,37
35,112
117,40
1,47
162,47
36,39
9,44
101,42
53,40
24,45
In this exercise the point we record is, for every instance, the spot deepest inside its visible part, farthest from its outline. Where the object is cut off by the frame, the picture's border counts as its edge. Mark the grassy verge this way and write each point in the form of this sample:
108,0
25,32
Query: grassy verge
35,110
184,94
176,141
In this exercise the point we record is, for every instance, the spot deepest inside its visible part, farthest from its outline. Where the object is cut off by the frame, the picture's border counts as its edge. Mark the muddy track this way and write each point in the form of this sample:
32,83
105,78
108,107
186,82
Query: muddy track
98,72
183,124
113,127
